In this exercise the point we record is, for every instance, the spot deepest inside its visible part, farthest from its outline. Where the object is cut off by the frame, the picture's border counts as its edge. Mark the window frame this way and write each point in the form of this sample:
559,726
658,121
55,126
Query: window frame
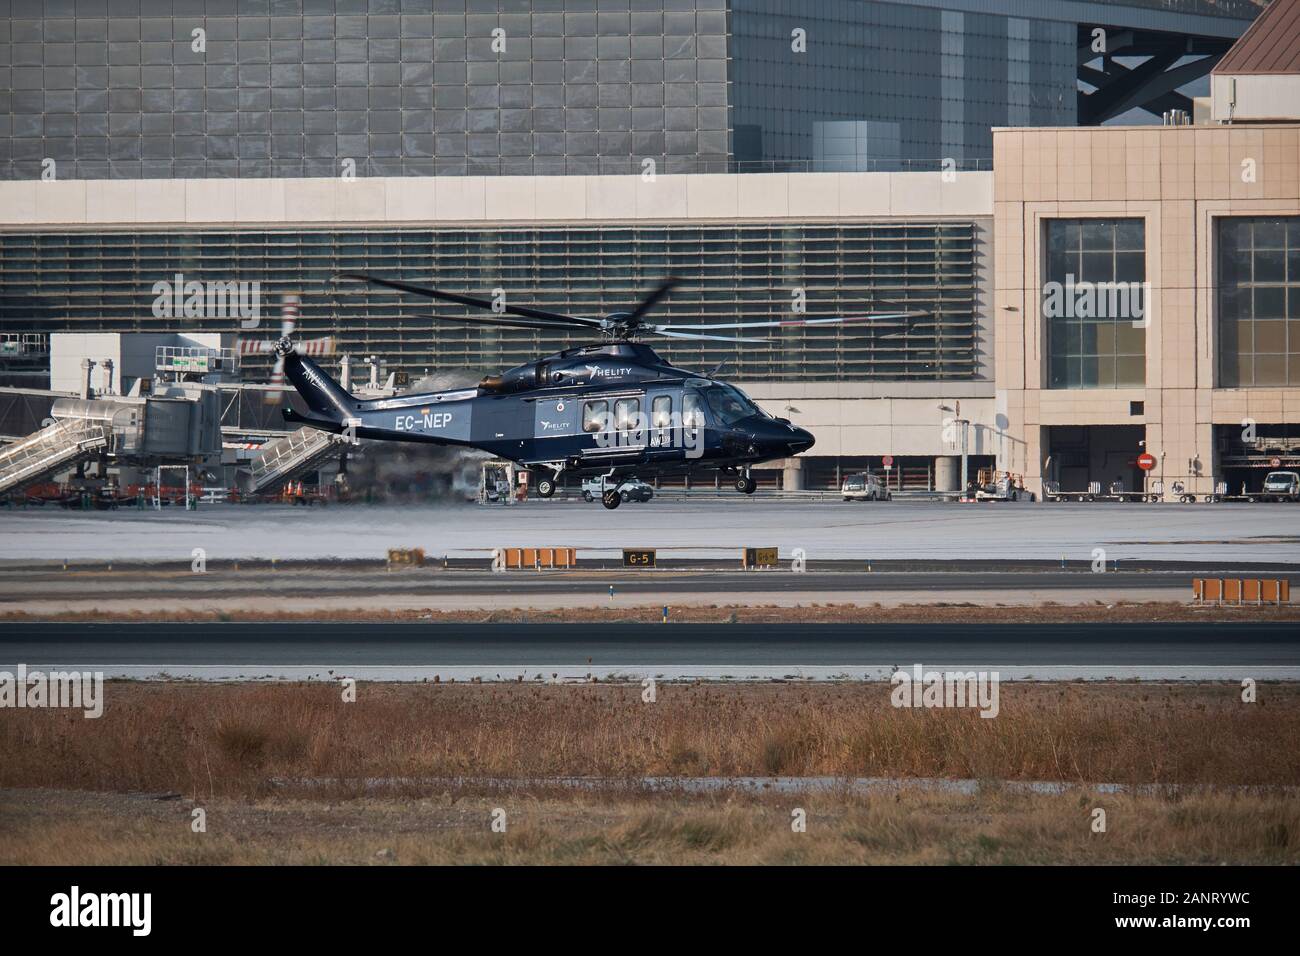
1087,351
626,422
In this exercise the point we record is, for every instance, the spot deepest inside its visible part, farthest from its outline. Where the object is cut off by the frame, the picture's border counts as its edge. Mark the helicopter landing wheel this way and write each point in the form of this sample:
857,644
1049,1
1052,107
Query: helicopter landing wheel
546,487
611,499
746,485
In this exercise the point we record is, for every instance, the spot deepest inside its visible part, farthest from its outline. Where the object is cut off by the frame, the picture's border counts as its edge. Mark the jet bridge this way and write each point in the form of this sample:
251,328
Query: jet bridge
127,429
64,444
286,458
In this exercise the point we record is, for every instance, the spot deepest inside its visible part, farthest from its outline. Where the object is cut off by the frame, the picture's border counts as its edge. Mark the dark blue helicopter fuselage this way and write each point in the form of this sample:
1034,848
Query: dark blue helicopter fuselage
615,408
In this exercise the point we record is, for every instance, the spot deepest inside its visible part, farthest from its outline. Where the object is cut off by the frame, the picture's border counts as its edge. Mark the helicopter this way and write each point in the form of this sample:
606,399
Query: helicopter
613,408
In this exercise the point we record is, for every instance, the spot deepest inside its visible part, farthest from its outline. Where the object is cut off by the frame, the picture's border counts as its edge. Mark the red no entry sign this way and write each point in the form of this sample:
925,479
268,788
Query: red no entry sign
1146,461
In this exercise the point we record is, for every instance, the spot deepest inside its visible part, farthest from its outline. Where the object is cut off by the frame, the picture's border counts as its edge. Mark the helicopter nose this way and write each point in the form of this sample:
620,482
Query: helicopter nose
780,439
800,440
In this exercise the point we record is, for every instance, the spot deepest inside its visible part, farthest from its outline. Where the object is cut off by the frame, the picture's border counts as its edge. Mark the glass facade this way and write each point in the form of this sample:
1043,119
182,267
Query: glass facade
104,281
192,88
1094,303
932,81
1258,307
119,88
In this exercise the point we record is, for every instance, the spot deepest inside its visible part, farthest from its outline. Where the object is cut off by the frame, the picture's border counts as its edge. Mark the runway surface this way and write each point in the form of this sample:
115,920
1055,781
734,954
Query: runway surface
48,592
708,528
633,651
25,586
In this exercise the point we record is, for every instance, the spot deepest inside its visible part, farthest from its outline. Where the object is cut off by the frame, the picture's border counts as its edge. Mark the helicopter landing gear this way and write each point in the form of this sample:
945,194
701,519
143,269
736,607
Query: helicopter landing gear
611,499
547,483
746,485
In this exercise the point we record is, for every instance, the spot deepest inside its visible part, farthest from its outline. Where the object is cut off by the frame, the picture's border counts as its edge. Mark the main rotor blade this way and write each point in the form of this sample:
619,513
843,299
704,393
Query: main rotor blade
671,333
791,323
505,323
475,302
650,300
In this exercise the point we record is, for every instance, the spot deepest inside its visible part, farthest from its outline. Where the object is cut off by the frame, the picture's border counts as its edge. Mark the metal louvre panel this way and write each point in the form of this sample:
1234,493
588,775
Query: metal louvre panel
81,281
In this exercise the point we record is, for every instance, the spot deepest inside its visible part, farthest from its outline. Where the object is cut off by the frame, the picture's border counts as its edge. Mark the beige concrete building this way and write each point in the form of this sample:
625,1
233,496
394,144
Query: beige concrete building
1216,212
1148,286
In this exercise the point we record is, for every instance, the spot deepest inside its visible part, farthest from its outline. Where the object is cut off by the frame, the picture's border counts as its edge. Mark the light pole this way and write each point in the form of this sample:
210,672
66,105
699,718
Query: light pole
956,410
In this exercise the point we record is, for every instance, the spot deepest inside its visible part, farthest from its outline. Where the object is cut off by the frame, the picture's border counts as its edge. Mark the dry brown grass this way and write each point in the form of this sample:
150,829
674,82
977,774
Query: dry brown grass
61,828
237,740
938,612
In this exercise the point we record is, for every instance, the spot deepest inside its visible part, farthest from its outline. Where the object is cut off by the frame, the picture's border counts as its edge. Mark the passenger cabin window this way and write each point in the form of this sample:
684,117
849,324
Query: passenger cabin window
626,412
661,411
595,416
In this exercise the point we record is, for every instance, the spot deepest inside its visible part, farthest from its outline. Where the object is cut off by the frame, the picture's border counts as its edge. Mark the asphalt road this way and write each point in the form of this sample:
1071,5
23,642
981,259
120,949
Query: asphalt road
707,528
508,651
19,587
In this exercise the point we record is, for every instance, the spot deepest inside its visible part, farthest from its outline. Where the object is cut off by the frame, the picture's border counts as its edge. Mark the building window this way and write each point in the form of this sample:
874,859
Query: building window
1094,303
1259,301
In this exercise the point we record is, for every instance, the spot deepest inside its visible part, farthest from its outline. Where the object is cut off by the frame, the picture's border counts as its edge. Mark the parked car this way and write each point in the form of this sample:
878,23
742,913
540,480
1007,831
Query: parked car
632,489
1282,485
864,488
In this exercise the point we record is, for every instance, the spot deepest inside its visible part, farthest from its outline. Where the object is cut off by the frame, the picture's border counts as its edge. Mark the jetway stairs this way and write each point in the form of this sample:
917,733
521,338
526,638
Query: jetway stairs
54,448
286,458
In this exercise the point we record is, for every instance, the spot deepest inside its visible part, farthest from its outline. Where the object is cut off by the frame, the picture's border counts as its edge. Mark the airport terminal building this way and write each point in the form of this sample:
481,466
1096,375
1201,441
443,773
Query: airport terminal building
1205,218
936,155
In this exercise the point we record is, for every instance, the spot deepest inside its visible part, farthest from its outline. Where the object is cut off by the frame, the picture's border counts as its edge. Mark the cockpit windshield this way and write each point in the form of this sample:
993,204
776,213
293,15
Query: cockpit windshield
729,404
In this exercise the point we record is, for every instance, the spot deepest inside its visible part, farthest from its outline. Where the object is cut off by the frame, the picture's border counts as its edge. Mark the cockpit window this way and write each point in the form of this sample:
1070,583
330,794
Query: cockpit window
729,404
692,411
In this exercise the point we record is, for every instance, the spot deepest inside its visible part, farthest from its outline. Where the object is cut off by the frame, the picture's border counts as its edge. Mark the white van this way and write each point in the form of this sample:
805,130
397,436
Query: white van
1282,485
864,487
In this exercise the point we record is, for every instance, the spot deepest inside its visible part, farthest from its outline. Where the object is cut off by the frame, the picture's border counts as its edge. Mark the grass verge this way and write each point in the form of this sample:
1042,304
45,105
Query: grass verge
245,740
63,828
